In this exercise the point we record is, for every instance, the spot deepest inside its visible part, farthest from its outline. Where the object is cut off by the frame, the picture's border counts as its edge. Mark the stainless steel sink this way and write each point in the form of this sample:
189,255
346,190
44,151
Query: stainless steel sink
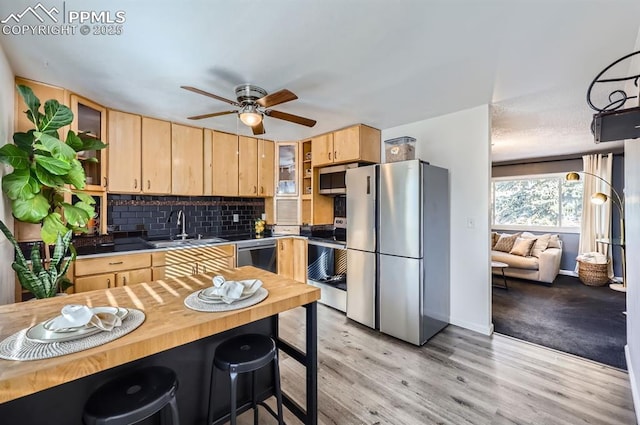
168,243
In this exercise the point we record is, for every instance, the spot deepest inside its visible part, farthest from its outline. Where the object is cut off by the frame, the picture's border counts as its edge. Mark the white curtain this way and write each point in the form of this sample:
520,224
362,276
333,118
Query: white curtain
596,219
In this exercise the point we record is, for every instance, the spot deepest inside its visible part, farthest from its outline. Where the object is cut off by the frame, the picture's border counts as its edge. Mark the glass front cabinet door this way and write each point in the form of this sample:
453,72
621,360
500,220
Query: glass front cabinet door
287,163
90,119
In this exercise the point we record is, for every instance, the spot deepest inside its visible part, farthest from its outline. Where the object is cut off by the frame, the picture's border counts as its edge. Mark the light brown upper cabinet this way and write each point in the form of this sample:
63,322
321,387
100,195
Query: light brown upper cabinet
224,163
247,166
322,149
156,156
90,119
238,166
43,92
125,152
357,143
187,160
255,167
266,168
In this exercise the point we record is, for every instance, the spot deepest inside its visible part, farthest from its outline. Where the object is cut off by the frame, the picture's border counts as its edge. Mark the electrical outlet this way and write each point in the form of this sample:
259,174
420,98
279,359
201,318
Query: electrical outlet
236,218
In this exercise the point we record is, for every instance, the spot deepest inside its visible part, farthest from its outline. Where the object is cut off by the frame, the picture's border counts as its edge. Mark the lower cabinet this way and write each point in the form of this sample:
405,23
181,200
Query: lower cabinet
109,272
292,259
129,269
185,262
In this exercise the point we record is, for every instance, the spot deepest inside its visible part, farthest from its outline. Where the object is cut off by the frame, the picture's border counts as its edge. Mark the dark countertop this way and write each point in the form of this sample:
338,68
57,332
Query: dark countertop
137,243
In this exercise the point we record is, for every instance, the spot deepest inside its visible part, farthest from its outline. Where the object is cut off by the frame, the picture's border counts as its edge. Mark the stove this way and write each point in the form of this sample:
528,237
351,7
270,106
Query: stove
327,266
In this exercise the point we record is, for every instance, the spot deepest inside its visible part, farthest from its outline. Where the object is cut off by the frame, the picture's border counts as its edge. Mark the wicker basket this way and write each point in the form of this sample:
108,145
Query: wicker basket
593,274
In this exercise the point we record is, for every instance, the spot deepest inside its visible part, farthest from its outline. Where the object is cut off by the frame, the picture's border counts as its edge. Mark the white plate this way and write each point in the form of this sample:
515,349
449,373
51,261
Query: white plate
40,333
218,300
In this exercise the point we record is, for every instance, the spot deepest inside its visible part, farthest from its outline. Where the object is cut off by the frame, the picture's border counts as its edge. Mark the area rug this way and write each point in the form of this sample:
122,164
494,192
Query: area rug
566,315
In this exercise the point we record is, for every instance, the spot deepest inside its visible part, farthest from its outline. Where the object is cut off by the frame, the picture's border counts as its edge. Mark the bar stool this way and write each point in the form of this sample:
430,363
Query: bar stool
133,397
241,354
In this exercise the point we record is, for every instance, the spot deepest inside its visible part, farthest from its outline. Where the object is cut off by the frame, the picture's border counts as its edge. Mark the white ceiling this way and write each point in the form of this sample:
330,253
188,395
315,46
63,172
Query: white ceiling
379,62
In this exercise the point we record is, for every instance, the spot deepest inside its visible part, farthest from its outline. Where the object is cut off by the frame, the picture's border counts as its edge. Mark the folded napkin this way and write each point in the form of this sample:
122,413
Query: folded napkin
105,321
76,316
231,290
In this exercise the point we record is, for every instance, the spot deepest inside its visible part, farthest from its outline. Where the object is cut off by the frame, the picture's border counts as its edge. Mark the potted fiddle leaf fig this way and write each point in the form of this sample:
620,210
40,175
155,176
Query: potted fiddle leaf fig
45,169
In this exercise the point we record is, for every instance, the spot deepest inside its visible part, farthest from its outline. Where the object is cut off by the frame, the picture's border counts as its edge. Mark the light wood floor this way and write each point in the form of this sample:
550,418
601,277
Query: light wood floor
458,377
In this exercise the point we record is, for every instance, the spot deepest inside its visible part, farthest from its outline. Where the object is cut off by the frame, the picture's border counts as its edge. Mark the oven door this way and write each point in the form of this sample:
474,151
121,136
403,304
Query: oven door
327,270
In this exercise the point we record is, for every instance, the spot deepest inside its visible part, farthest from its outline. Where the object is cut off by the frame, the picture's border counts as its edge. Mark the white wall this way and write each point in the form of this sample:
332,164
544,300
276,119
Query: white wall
632,224
461,142
7,282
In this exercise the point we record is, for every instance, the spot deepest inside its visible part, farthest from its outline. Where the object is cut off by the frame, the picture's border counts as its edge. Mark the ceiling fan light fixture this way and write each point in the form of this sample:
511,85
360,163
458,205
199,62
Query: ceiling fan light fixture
250,116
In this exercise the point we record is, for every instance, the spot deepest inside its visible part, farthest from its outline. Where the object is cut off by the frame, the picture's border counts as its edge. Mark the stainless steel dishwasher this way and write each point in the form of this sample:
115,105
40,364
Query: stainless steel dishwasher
260,253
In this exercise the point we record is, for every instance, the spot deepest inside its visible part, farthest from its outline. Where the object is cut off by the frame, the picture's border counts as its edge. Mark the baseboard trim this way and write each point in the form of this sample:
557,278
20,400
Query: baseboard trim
632,380
485,330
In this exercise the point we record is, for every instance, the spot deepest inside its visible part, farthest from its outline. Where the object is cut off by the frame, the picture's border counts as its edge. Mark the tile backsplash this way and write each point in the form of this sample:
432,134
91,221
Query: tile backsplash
212,215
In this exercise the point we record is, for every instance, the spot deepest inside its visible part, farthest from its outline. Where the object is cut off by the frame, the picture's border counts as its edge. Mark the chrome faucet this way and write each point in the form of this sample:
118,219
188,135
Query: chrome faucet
180,221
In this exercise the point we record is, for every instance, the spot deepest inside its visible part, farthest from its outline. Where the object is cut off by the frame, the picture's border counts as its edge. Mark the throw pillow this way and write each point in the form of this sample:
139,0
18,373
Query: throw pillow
494,238
522,247
541,244
506,241
554,241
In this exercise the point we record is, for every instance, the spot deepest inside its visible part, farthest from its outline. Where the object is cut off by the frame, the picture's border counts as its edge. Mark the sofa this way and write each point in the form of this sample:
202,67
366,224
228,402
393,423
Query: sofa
529,256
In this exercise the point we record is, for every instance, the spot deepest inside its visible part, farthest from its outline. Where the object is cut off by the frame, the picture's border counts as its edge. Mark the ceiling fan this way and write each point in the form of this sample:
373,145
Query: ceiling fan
253,102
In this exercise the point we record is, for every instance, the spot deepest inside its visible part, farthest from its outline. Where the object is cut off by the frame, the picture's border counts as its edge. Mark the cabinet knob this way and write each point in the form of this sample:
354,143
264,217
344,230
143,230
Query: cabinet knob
135,183
104,179
335,155
329,155
108,283
261,189
113,263
148,184
255,189
124,281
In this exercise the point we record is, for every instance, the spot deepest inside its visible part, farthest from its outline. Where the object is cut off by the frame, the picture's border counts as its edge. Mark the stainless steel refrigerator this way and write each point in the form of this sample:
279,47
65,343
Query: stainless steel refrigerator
398,248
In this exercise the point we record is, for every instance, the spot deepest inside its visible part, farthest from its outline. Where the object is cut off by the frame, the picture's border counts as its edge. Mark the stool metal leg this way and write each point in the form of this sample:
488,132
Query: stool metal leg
276,380
254,403
175,418
212,387
169,414
234,384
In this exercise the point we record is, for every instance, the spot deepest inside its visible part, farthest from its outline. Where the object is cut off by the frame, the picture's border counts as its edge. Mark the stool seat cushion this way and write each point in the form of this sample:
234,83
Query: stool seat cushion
134,396
245,353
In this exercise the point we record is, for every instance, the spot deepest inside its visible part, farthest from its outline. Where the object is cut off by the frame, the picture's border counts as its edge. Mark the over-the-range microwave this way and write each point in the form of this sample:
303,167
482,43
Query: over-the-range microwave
332,180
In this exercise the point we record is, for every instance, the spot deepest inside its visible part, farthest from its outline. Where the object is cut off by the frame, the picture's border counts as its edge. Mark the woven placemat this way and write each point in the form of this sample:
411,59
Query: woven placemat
194,303
18,347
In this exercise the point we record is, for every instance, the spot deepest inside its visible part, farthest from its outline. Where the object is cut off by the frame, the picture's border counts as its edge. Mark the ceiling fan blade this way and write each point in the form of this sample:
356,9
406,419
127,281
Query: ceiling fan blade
215,114
290,117
204,93
258,128
276,98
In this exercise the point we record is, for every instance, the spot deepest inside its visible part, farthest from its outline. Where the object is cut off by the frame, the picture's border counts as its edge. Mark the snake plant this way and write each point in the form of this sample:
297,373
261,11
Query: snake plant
45,169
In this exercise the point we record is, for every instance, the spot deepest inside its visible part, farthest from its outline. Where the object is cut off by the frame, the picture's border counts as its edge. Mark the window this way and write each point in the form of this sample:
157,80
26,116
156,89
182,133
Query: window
542,202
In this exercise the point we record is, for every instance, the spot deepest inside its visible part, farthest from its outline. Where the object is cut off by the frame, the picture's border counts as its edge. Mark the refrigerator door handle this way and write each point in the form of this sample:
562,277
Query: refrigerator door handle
368,185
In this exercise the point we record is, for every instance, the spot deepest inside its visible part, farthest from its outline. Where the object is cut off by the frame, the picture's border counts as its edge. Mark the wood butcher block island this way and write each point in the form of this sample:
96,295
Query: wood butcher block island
172,334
